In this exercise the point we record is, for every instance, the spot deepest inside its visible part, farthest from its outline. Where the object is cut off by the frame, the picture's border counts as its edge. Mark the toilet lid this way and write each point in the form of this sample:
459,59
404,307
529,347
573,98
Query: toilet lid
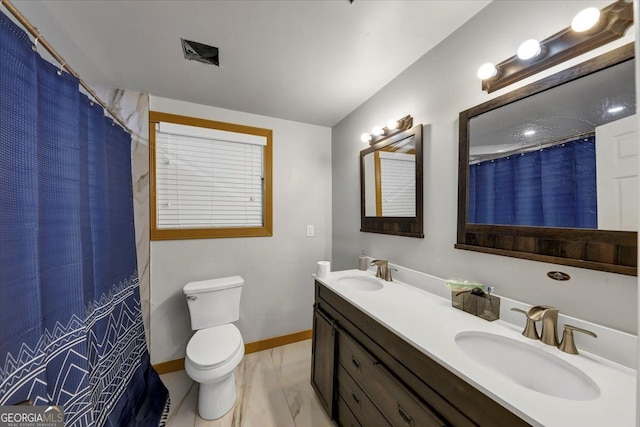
213,346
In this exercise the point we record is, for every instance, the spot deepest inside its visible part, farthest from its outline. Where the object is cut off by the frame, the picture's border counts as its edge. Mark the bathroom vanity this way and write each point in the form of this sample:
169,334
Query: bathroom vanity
384,354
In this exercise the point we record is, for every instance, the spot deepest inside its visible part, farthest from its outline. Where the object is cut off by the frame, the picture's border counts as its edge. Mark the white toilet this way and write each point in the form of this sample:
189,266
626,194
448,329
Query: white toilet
216,349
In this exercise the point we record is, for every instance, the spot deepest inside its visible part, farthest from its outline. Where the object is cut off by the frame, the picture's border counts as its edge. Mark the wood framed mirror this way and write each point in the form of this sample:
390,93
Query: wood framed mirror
391,185
571,119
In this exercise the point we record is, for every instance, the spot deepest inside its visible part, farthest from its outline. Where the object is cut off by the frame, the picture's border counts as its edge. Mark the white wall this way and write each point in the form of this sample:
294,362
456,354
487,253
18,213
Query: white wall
133,107
435,89
278,292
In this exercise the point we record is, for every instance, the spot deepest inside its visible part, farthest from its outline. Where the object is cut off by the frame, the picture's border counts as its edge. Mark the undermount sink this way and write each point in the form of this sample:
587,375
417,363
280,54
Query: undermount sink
528,366
361,283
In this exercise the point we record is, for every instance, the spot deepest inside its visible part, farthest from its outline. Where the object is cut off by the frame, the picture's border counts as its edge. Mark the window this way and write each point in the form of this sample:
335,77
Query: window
208,179
398,184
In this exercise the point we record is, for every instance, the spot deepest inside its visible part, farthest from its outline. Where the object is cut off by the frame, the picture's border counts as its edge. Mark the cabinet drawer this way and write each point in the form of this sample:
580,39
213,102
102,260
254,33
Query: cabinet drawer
354,358
363,409
345,416
398,404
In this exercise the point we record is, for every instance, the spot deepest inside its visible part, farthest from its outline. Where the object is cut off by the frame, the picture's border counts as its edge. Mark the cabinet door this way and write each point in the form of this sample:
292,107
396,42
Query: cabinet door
323,360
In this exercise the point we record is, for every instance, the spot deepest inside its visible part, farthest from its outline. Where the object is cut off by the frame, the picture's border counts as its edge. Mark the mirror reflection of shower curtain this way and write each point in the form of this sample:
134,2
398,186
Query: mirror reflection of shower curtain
71,325
552,187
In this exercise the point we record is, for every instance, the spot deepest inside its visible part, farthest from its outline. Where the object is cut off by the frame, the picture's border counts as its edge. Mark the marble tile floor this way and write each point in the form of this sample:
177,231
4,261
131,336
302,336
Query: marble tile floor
273,390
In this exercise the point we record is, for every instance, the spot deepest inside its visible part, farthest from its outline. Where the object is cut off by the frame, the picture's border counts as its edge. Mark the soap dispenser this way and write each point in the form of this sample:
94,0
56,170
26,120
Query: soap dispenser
362,262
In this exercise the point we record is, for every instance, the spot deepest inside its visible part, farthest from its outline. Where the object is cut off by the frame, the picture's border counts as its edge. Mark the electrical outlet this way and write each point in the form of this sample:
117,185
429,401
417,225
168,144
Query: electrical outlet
310,231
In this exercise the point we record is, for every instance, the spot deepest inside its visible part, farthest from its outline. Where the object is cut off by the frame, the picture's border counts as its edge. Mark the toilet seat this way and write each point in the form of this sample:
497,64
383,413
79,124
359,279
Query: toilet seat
212,347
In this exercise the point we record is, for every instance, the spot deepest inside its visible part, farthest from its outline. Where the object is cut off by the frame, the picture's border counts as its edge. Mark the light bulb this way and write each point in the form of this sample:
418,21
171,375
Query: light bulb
529,132
585,19
486,71
377,131
365,137
529,49
392,124
615,109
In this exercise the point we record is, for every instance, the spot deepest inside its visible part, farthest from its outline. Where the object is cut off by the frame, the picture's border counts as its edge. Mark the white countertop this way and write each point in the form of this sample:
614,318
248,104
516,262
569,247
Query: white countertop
430,324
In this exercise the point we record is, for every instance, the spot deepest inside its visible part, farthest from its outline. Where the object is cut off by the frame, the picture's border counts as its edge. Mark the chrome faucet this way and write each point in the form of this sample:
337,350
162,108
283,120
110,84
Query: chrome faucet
383,271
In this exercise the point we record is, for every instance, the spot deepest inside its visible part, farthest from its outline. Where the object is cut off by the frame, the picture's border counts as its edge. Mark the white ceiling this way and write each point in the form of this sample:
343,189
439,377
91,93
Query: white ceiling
312,61
563,112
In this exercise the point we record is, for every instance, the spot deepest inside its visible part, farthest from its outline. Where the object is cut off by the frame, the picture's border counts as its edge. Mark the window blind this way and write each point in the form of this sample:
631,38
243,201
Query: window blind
207,178
398,184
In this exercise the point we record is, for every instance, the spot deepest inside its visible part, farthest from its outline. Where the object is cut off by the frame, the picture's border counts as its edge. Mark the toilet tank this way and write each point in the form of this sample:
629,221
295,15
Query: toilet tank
214,302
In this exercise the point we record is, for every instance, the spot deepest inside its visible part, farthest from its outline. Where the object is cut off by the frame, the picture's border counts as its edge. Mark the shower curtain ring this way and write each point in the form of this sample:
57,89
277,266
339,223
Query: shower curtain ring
35,42
61,67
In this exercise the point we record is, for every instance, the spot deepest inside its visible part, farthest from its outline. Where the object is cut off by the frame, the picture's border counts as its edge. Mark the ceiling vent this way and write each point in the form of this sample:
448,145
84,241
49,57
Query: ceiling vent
200,52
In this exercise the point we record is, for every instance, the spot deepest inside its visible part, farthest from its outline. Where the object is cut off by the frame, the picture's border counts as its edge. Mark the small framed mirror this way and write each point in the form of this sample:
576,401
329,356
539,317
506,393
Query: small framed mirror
391,185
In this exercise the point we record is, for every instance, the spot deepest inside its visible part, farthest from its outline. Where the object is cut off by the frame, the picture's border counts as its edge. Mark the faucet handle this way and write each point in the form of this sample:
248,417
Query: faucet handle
536,312
530,330
387,276
568,344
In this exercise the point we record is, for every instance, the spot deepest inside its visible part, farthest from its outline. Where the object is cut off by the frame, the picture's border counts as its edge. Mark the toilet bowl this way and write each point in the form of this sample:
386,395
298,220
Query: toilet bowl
212,357
216,349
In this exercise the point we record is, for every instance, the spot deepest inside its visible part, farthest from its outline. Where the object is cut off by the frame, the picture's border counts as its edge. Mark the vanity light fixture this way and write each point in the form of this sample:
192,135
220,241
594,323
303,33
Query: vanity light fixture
585,20
486,71
393,127
365,137
615,109
529,49
589,30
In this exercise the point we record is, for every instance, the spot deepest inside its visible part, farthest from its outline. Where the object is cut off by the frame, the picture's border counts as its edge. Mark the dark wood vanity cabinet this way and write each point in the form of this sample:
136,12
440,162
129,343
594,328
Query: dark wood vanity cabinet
366,376
323,349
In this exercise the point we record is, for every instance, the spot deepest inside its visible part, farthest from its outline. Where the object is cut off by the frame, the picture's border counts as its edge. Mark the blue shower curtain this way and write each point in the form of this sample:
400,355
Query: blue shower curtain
71,329
553,187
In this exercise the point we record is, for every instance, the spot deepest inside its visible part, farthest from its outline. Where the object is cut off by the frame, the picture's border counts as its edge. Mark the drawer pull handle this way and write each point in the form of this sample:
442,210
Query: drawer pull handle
405,417
355,362
355,398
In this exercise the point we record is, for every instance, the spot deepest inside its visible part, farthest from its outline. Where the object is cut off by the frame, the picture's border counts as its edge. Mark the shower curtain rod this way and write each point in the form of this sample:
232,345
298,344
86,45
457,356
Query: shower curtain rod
41,40
479,158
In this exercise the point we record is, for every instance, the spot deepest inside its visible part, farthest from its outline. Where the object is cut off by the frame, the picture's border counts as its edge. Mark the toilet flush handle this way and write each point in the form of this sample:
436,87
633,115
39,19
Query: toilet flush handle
192,297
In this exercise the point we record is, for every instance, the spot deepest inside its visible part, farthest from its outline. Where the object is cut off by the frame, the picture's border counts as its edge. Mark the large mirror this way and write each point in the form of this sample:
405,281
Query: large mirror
549,172
391,185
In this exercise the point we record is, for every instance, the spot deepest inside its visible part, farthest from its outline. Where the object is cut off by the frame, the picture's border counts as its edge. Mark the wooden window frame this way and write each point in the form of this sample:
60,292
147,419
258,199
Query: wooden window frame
215,232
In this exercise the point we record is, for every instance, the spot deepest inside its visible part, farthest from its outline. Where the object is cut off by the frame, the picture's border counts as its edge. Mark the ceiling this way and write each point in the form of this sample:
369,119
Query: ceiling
312,61
557,114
